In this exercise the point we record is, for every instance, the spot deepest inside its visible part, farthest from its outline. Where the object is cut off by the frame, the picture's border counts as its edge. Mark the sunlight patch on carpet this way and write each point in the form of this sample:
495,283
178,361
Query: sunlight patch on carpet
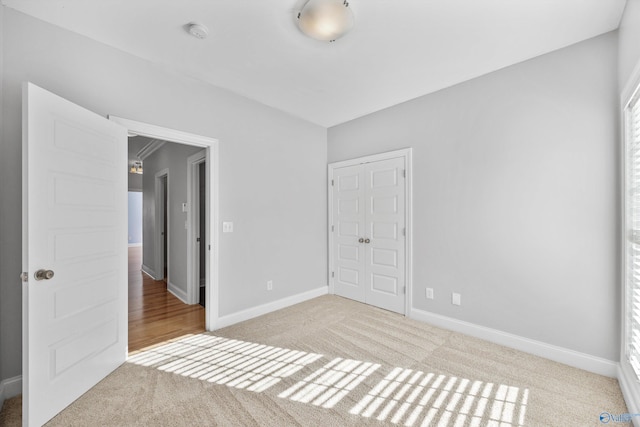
239,364
329,384
411,398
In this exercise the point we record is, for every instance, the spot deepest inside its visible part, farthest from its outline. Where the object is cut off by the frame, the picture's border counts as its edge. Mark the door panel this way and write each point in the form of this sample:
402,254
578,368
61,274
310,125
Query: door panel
348,221
369,204
385,218
384,284
75,224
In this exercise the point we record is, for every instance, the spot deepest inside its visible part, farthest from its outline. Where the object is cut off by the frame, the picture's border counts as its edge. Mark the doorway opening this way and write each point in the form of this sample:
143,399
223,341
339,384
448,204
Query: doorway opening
169,209
161,229
201,229
197,245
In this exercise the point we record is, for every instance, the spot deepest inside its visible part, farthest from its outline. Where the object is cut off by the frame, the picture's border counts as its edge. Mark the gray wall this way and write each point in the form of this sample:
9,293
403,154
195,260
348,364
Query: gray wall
629,51
172,157
272,165
514,195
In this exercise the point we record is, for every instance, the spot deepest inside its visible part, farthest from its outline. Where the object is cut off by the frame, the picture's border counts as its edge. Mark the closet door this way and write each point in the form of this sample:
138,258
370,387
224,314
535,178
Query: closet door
384,237
348,232
368,235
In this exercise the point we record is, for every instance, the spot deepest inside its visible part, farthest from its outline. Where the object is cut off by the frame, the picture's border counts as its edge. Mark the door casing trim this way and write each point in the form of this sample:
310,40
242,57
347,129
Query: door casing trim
162,221
193,187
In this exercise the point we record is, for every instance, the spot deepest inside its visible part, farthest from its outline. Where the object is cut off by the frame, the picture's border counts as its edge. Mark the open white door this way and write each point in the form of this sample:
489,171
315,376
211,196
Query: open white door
75,226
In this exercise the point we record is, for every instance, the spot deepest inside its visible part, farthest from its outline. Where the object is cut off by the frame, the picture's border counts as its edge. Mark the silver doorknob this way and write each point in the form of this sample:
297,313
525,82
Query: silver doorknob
361,240
367,240
43,274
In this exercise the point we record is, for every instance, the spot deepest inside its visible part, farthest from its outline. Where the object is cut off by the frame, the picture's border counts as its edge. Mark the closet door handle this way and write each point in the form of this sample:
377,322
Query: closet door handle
367,240
361,240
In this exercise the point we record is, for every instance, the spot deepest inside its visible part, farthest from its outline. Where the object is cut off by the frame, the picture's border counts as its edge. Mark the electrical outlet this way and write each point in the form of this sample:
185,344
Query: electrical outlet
227,227
456,299
269,285
429,293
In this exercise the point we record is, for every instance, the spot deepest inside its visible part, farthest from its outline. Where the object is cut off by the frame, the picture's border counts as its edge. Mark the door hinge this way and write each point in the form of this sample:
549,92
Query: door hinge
24,276
209,247
332,228
332,183
404,173
333,274
404,289
404,231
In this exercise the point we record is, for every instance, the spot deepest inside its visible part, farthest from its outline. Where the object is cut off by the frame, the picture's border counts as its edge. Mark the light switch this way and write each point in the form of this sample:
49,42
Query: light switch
456,299
227,227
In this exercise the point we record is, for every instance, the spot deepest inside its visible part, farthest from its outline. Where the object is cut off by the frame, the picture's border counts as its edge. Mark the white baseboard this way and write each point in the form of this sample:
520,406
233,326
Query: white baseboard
149,272
250,313
9,388
135,245
569,357
630,388
177,292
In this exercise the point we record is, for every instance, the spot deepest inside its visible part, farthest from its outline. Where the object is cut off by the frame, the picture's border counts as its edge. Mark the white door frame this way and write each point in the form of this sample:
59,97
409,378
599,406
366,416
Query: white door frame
161,207
193,217
408,246
212,236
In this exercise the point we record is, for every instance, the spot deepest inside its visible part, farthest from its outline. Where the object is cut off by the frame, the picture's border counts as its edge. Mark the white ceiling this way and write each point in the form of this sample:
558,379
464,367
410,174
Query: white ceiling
398,50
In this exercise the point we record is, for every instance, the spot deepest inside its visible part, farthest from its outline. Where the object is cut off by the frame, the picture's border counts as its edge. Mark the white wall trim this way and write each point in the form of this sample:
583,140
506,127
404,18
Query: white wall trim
135,245
148,271
406,154
177,292
630,388
569,357
250,313
631,86
158,132
9,388
153,146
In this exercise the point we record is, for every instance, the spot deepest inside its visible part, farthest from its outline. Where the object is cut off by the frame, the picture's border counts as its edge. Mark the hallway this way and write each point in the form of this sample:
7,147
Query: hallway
155,315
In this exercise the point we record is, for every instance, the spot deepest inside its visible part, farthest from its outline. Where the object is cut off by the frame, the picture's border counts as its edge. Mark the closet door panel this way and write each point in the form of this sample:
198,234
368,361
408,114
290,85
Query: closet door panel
384,221
349,227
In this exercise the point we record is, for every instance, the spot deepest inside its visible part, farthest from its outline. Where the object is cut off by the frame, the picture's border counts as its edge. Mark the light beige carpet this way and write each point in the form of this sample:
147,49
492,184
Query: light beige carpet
335,362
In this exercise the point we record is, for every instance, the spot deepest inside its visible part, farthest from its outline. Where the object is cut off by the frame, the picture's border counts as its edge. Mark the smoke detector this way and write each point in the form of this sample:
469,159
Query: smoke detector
198,30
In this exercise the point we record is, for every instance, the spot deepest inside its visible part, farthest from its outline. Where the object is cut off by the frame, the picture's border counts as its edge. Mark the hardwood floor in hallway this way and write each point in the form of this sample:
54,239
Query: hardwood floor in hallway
156,315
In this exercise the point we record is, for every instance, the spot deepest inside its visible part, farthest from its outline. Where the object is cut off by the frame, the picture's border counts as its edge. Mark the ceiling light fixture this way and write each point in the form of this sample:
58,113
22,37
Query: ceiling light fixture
198,31
325,20
136,167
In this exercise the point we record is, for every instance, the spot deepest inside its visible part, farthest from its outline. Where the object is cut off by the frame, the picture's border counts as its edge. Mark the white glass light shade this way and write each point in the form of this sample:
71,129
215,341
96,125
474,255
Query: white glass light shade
326,20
